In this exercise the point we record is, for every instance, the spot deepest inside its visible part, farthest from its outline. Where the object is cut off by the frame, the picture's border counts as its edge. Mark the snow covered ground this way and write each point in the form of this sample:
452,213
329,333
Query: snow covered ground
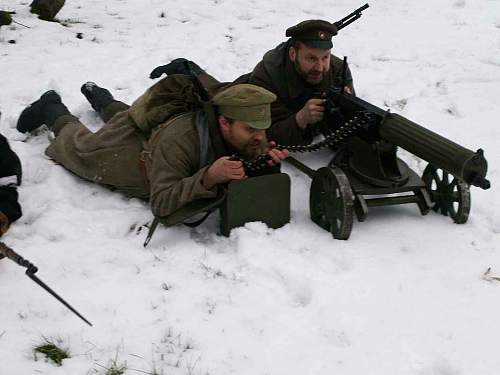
404,295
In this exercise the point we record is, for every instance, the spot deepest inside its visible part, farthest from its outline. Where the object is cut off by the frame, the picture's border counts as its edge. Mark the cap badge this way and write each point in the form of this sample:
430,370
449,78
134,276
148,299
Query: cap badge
321,35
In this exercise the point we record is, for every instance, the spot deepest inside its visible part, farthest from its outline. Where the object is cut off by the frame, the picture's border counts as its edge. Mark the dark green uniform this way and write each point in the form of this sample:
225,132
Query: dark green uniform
277,74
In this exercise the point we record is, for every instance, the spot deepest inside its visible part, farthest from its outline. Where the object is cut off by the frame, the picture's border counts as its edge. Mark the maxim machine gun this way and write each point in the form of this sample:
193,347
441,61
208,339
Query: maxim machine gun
365,170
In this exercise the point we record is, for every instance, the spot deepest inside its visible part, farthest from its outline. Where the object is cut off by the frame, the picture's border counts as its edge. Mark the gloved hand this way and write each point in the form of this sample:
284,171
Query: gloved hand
10,210
10,165
177,66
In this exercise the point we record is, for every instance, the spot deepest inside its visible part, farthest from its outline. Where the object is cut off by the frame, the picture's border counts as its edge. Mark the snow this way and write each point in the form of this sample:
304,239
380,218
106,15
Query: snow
404,295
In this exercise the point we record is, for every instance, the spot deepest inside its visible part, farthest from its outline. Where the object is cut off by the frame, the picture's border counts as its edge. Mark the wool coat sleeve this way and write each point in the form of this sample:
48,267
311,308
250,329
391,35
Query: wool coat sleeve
284,128
175,175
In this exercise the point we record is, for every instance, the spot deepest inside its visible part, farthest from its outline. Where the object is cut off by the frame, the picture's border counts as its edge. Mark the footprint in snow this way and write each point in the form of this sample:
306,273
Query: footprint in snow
299,289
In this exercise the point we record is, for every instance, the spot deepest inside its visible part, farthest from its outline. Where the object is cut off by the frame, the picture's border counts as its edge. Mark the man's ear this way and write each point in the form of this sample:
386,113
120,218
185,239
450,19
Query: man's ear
223,124
292,54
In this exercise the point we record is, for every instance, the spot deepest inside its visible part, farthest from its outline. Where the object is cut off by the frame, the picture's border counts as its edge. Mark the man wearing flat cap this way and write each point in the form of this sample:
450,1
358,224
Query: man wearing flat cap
168,146
296,71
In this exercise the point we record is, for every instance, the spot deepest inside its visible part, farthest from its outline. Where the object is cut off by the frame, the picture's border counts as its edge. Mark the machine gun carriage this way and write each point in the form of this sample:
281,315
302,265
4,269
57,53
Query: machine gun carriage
366,172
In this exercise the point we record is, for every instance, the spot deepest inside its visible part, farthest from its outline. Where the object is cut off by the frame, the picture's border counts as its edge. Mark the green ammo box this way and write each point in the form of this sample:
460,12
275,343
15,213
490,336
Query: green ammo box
263,198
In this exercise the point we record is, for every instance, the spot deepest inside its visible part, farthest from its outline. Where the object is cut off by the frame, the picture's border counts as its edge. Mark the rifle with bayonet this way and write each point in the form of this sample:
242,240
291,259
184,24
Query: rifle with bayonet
31,270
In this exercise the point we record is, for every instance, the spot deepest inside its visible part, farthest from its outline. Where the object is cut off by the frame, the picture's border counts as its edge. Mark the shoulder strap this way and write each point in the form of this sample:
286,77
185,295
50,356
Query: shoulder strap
201,123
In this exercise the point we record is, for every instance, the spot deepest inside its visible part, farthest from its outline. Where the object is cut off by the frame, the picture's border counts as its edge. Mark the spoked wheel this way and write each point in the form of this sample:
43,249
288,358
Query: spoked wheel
331,202
449,195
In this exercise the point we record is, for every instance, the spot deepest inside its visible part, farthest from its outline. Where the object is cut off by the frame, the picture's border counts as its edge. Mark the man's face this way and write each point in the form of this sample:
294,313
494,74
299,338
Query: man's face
311,63
244,139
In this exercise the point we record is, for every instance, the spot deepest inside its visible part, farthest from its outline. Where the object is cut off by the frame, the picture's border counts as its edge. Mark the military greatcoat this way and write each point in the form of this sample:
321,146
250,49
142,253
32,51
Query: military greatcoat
276,73
143,156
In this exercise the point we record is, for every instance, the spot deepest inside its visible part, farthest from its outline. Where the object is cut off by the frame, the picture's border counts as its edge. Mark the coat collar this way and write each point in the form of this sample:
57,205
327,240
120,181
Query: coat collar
219,146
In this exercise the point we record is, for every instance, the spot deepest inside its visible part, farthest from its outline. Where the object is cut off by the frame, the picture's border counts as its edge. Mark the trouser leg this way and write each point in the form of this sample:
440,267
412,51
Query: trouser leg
110,156
112,109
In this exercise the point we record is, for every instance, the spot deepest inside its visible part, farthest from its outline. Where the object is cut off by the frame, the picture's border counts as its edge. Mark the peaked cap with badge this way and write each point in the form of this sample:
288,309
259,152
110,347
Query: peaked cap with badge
248,103
313,33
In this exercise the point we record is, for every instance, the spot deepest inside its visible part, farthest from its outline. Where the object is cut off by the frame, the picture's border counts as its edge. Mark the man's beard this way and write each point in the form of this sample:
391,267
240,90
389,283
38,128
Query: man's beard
248,150
311,79
253,149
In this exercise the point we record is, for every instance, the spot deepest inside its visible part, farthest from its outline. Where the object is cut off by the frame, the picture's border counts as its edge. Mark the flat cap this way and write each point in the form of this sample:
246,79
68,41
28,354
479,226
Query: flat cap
313,33
245,102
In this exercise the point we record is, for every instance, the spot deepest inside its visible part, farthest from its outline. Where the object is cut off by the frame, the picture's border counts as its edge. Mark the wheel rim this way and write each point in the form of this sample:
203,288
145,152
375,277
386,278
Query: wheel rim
450,196
331,202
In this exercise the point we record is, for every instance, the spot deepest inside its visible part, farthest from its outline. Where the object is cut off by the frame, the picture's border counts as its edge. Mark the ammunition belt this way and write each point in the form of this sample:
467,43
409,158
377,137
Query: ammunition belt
331,140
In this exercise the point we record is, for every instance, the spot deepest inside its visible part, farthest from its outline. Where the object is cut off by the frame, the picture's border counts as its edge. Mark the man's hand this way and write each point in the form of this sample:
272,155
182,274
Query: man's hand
311,113
348,90
276,155
223,170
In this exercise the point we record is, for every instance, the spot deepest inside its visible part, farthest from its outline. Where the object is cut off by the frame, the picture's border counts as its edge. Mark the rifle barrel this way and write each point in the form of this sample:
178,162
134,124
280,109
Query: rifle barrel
350,18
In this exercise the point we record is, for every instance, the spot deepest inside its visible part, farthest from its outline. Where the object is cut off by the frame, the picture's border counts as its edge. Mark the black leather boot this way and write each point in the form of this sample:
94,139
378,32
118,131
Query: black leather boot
177,66
45,110
98,97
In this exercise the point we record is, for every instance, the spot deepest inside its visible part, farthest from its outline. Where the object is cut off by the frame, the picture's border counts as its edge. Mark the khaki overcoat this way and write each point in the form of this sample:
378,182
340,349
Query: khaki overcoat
140,154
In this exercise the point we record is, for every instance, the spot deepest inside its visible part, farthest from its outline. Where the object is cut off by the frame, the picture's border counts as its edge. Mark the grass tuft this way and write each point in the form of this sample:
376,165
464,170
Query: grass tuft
116,369
52,352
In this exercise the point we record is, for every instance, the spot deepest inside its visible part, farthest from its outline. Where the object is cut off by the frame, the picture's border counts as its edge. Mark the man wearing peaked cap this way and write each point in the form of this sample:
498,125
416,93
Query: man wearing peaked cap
296,70
313,33
168,146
